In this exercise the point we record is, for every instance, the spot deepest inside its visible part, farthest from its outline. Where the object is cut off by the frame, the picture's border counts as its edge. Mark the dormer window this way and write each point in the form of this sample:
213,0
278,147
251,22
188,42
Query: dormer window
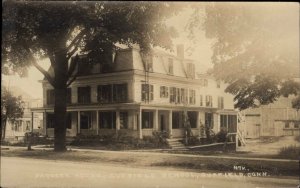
190,70
148,62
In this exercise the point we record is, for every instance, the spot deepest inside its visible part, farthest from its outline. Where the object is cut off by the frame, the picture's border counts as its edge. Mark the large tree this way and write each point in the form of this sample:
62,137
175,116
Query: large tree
255,49
11,109
59,30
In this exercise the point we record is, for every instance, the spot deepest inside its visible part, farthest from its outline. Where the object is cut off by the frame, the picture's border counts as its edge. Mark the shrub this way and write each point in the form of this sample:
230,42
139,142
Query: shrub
222,135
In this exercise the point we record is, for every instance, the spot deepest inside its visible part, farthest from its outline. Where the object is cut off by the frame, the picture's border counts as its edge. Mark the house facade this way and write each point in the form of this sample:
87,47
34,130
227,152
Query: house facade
136,94
276,119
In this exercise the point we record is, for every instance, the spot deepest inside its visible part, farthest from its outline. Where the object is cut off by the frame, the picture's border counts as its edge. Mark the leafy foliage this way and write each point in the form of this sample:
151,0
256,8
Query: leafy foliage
256,49
11,109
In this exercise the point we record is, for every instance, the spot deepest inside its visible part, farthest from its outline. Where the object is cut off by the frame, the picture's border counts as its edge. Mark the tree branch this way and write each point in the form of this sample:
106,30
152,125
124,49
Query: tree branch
43,71
73,66
78,37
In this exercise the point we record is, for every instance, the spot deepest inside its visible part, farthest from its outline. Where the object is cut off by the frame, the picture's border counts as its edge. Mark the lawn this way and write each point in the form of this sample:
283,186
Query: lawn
196,163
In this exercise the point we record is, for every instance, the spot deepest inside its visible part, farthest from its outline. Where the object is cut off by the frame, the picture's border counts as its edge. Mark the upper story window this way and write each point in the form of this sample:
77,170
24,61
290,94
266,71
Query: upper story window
51,96
192,96
218,84
170,66
184,95
287,125
164,92
112,93
296,125
208,100
84,94
104,93
120,92
221,102
201,100
205,82
190,70
147,92
172,94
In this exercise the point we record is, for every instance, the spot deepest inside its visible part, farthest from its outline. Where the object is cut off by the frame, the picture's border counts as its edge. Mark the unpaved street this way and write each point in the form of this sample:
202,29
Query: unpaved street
19,172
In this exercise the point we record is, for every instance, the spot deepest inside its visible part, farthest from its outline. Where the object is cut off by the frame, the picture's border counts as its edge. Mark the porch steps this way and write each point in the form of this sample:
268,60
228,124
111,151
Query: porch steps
176,144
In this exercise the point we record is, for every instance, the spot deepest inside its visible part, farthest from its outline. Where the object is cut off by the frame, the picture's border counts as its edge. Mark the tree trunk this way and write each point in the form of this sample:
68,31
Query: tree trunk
60,105
3,129
60,119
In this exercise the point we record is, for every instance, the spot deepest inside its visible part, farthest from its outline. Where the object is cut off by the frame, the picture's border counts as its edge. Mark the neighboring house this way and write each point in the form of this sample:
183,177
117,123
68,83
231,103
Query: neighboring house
135,94
276,119
16,131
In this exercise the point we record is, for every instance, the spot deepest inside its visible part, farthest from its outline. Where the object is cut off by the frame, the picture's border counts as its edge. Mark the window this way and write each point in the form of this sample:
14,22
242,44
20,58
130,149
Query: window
172,94
170,66
120,92
147,92
104,93
147,120
192,96
176,120
205,82
107,120
193,119
223,121
84,94
164,92
296,125
184,95
218,84
123,120
221,102
85,120
148,63
190,70
287,125
50,120
208,100
69,120
201,100
50,96
177,96
112,93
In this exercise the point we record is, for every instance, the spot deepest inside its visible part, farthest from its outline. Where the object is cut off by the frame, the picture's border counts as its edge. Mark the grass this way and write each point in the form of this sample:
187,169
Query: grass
290,152
272,168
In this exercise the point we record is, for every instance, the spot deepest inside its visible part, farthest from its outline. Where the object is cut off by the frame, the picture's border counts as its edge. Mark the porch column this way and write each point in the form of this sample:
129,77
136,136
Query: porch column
32,121
117,121
45,123
156,120
78,122
140,124
170,123
97,122
198,122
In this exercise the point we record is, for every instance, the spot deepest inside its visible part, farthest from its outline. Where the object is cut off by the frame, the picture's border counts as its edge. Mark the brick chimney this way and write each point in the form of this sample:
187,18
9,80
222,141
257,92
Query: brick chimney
180,51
